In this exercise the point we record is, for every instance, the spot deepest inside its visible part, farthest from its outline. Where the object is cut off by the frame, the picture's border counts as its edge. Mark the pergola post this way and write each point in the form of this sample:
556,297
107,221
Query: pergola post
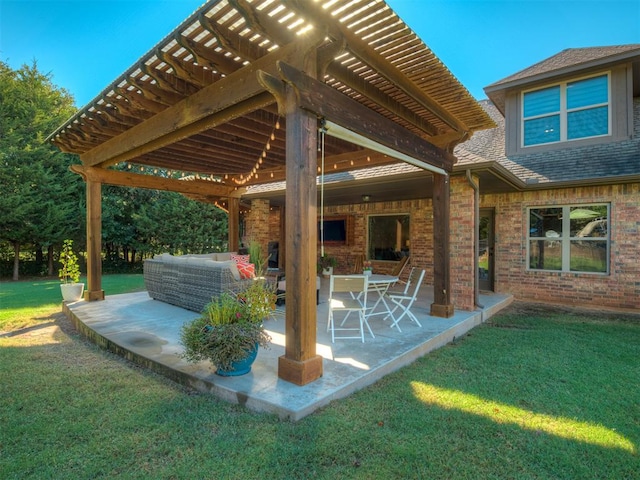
233,221
94,241
441,306
300,364
282,246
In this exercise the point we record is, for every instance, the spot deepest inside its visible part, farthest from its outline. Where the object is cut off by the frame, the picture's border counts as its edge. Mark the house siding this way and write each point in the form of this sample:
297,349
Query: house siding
621,103
618,289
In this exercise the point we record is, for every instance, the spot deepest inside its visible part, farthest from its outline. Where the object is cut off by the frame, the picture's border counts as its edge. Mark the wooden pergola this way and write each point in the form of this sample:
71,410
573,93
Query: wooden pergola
235,95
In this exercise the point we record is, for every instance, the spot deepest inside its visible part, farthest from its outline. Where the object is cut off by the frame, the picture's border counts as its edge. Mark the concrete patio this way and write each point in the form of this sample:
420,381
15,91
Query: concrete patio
147,332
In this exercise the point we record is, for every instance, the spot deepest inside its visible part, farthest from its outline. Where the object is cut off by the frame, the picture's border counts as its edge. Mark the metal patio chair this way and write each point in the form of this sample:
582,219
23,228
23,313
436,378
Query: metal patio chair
348,294
404,301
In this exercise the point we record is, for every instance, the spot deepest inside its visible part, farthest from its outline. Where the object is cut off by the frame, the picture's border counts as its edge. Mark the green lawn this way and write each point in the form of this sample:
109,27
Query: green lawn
536,393
23,303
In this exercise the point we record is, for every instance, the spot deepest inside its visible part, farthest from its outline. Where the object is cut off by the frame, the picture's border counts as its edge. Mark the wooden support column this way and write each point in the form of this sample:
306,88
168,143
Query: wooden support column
233,222
300,364
282,244
94,241
442,305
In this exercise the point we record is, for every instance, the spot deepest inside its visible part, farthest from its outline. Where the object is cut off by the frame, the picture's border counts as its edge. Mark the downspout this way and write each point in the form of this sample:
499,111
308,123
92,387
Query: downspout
476,238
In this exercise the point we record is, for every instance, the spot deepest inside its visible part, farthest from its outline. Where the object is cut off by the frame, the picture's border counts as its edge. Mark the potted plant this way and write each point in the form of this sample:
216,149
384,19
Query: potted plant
230,329
69,274
257,258
367,267
326,264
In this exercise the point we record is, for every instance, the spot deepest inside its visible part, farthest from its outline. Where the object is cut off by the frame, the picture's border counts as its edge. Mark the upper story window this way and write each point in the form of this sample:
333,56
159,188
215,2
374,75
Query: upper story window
567,111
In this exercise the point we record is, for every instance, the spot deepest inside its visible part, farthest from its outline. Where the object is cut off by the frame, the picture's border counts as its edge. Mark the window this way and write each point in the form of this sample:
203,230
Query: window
388,237
569,238
568,111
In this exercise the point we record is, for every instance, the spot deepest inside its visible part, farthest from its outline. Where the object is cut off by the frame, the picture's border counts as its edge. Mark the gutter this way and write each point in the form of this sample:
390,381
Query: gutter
476,238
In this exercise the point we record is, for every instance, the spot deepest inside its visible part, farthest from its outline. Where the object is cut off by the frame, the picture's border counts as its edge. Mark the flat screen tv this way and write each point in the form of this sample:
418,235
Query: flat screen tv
335,231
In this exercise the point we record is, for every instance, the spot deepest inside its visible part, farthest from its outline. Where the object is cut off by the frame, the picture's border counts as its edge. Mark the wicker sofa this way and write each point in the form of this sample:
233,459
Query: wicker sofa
191,281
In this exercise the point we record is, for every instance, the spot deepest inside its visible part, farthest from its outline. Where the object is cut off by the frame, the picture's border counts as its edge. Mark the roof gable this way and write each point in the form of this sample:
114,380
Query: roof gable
563,63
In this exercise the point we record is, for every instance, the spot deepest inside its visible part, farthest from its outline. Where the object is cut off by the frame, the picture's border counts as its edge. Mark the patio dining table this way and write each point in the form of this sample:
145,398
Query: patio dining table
379,284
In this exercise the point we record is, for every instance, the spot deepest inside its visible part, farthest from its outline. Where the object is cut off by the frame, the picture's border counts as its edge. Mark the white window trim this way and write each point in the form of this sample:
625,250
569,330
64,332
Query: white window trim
566,239
564,111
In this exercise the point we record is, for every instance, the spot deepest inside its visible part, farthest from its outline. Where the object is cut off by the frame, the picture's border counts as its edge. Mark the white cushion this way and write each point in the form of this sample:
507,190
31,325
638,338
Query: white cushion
230,264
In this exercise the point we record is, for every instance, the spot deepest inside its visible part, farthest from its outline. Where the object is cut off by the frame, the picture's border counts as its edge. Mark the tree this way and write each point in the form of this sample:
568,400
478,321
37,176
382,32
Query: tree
39,202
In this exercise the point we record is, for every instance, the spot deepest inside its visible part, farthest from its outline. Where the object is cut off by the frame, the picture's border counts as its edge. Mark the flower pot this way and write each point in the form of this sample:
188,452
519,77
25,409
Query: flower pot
327,272
71,292
241,367
367,273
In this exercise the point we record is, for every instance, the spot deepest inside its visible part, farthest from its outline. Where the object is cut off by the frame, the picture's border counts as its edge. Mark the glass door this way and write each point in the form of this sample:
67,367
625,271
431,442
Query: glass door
486,249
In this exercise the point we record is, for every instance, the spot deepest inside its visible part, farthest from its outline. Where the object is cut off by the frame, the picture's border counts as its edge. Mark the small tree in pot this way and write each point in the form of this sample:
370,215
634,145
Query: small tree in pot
69,274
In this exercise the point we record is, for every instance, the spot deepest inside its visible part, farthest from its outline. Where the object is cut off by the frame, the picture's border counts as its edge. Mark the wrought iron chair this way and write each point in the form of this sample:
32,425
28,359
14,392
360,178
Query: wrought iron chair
347,294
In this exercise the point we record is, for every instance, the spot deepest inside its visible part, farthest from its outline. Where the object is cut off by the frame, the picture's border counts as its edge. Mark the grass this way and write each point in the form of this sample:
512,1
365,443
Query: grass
536,393
24,303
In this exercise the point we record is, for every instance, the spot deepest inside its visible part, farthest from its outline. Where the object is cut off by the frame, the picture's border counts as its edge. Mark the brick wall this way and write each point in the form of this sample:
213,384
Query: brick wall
256,228
619,289
461,235
421,238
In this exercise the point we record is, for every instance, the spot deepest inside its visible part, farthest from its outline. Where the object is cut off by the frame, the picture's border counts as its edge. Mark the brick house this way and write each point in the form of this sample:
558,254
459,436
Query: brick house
545,206
236,80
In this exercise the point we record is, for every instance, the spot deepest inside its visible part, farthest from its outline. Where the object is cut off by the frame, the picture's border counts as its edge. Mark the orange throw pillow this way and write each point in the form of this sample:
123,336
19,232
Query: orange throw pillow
246,269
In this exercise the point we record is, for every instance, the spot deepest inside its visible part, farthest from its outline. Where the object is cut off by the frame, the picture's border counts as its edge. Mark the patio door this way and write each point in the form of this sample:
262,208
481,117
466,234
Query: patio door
486,249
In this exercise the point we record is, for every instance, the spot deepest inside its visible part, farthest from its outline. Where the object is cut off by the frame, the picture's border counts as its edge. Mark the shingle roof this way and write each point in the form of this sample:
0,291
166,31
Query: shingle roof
589,163
565,62
485,144
569,57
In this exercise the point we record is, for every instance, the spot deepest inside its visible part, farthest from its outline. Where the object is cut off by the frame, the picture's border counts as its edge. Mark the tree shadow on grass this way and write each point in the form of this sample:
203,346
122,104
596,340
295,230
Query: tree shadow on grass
26,330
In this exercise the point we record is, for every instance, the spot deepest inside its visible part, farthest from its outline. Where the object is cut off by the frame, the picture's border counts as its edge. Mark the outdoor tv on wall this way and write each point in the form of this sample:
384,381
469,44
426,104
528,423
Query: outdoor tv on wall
335,231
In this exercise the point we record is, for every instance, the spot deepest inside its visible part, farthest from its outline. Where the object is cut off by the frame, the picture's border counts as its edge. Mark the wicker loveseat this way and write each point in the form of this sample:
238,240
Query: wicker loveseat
191,281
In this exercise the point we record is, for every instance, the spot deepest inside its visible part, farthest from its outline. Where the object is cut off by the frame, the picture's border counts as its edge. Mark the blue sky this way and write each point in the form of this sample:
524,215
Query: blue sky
86,44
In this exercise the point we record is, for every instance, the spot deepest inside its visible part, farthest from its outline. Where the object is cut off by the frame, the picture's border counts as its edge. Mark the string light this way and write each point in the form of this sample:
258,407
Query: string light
253,173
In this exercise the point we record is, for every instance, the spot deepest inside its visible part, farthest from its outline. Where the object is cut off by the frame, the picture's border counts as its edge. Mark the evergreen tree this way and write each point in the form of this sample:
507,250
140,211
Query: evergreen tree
39,202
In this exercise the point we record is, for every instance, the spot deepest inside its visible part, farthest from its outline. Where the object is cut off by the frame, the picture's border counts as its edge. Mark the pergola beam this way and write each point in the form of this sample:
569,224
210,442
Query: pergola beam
325,101
129,179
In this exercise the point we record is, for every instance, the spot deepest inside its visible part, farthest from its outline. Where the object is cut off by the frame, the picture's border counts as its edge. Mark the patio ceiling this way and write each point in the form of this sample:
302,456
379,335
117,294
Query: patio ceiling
364,51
